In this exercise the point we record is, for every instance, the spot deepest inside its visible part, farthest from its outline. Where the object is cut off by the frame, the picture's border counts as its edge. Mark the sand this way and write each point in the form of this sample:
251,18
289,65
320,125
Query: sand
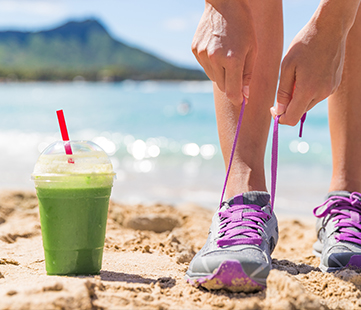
147,251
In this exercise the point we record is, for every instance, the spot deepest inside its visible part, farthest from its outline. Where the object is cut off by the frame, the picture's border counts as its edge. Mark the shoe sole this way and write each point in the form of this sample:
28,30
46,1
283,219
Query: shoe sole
230,276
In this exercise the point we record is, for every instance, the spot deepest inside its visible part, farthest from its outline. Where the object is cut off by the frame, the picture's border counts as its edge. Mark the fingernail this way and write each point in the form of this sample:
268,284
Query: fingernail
273,111
280,108
246,91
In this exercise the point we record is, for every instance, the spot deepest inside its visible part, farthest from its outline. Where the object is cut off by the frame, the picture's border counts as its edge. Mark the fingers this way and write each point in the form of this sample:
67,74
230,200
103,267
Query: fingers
238,74
285,89
234,85
232,79
218,71
212,67
247,72
231,74
292,111
299,104
202,58
291,101
294,96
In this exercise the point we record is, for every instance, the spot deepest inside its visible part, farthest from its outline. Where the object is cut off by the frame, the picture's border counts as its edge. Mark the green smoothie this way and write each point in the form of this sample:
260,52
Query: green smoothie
73,203
73,223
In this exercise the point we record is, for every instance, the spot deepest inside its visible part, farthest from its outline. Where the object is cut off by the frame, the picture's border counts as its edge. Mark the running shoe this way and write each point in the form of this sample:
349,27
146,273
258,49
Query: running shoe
338,230
236,256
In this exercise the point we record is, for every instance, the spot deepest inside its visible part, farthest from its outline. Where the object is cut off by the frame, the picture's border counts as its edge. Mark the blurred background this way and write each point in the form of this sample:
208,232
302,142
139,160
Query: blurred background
125,76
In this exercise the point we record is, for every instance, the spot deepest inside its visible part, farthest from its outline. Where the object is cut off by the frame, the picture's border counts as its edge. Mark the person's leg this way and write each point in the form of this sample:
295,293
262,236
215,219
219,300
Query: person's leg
247,171
236,255
345,118
338,232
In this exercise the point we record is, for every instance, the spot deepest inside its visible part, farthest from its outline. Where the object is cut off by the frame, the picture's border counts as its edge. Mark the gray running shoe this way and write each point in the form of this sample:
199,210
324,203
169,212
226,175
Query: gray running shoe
241,238
338,230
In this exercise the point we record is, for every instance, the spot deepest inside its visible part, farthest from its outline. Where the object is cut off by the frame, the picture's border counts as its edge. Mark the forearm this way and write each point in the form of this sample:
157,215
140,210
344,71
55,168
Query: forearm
225,6
226,2
336,15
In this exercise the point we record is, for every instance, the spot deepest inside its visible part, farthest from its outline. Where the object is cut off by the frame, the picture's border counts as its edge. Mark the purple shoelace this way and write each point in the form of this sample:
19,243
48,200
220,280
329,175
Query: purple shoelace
239,214
347,211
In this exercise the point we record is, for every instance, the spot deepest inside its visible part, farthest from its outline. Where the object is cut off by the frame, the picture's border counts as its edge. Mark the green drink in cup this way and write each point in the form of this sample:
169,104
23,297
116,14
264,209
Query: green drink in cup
73,193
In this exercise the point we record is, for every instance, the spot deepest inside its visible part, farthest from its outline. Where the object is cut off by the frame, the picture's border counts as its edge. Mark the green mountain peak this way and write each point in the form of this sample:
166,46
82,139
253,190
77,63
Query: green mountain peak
81,48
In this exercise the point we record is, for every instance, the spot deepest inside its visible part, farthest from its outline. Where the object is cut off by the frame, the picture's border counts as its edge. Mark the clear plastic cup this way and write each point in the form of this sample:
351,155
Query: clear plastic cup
73,193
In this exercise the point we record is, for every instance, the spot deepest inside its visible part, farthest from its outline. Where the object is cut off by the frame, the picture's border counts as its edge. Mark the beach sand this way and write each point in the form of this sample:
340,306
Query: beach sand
147,251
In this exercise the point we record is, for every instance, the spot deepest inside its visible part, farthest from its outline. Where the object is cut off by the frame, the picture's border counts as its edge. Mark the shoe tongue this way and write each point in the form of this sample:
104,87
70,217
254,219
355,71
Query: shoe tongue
249,198
254,198
354,216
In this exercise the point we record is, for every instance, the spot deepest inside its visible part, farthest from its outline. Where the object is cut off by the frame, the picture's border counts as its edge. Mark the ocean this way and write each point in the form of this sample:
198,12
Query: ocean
161,137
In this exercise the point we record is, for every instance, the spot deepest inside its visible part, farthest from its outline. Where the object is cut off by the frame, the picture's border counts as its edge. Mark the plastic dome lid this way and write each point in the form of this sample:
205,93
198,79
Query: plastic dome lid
88,158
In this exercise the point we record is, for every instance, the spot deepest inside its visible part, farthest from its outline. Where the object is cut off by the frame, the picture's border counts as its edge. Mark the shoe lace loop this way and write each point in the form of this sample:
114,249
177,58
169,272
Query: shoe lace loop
347,211
239,220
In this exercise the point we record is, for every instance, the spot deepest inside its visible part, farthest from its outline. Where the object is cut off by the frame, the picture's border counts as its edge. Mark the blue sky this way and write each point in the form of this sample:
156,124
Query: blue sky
163,27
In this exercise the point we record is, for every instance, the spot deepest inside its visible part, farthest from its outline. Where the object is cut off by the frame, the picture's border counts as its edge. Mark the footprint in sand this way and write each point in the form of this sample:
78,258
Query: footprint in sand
152,222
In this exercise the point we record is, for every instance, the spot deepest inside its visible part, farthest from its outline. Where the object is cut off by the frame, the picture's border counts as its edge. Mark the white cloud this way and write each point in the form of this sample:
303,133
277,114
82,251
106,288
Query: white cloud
40,8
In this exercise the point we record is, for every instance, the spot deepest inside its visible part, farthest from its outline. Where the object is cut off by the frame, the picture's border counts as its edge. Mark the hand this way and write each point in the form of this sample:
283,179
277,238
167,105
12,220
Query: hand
312,68
225,46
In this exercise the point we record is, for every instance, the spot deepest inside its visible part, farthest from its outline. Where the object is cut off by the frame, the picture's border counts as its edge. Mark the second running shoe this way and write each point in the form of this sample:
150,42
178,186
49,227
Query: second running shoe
339,231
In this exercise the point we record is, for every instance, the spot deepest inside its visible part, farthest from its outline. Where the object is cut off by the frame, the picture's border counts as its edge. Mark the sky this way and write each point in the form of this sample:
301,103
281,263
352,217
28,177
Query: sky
163,27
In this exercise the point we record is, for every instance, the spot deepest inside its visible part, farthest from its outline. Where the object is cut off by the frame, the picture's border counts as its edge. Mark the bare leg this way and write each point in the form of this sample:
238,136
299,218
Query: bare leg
247,171
225,264
345,118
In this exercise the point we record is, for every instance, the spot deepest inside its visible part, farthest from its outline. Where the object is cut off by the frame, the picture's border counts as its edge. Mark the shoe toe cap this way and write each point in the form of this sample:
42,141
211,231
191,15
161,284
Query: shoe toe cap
253,261
340,256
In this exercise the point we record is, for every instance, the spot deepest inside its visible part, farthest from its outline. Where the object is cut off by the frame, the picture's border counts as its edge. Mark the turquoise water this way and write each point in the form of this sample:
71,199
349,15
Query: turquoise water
161,137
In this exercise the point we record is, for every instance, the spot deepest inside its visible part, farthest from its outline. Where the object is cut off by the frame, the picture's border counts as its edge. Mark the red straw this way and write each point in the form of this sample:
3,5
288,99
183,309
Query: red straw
64,132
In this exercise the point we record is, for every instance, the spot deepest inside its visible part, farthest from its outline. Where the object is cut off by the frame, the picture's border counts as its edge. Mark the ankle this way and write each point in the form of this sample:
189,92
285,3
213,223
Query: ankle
345,185
242,184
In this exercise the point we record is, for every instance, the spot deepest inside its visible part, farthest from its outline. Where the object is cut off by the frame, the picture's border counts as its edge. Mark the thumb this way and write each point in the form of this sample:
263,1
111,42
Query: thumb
247,72
278,109
285,90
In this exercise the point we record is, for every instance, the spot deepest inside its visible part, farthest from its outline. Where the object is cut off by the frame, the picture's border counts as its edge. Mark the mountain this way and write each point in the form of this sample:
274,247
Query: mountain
81,49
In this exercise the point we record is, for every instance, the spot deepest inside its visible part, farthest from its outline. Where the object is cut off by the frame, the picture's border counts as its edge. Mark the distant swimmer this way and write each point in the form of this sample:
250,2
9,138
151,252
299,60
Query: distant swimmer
184,108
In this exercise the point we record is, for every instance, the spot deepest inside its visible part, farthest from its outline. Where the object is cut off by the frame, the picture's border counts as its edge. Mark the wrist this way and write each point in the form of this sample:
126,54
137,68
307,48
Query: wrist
338,15
222,5
224,2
